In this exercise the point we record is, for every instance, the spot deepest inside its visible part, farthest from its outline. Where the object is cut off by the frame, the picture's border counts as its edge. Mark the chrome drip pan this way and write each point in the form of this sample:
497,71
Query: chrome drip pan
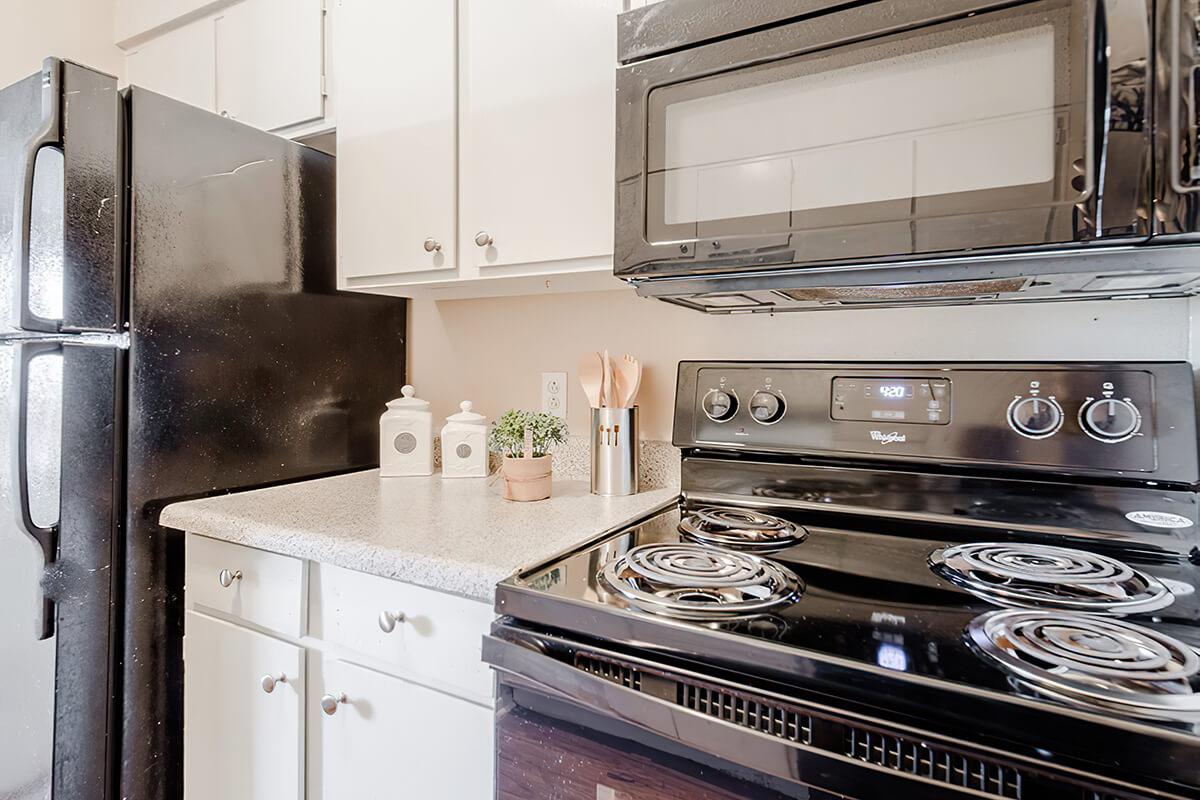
1093,662
741,529
694,582
1018,575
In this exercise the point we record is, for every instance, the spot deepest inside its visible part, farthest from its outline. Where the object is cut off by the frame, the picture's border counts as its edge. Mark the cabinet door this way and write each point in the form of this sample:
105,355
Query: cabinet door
270,62
179,64
391,738
239,741
396,139
538,130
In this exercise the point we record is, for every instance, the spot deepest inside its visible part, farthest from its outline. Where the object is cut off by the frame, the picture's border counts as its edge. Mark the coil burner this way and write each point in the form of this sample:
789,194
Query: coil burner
1017,575
690,581
1093,662
741,529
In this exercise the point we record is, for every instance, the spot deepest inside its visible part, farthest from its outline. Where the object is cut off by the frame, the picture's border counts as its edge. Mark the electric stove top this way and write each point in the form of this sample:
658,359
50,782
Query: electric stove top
1048,612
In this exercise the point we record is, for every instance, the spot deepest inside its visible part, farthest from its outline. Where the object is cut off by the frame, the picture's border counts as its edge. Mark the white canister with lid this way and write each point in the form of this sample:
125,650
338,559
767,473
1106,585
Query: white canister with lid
406,437
464,444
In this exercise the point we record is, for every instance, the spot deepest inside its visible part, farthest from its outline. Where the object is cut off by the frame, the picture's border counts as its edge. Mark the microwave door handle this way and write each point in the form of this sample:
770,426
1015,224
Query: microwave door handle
1175,86
48,135
45,536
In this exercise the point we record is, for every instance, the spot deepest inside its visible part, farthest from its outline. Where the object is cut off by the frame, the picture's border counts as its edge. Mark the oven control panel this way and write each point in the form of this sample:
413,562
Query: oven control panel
1120,419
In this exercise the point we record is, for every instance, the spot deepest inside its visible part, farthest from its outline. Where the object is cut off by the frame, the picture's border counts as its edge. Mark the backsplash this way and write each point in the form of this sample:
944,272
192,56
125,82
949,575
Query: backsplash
572,462
493,351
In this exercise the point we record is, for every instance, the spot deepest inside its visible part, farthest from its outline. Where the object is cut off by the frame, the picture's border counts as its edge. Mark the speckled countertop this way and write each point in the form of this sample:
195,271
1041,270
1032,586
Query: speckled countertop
455,535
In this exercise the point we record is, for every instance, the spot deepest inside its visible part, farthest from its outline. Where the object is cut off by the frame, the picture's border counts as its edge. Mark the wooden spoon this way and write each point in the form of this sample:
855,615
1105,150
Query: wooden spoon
625,377
591,377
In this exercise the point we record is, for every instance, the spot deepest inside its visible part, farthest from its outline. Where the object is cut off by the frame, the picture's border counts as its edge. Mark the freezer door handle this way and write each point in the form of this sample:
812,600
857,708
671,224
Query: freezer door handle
48,135
45,536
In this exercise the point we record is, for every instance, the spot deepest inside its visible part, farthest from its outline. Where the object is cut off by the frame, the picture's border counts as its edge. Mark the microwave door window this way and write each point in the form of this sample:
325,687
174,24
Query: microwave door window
966,134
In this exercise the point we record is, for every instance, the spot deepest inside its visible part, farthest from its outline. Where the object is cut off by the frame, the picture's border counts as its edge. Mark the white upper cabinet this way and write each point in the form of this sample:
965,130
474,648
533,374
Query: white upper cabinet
181,64
261,62
537,131
269,62
397,107
475,146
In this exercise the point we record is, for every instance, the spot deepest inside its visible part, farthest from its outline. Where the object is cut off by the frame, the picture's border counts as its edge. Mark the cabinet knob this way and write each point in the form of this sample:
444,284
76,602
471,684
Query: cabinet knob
388,620
330,702
226,577
268,682
432,245
484,239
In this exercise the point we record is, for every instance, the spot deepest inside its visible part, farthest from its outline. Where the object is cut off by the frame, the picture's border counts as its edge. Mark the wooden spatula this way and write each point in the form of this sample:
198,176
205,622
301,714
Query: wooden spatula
591,377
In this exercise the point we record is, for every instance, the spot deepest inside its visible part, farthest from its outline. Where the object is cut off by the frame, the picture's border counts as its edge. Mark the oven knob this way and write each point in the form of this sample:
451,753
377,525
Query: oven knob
1035,417
720,405
1109,420
767,407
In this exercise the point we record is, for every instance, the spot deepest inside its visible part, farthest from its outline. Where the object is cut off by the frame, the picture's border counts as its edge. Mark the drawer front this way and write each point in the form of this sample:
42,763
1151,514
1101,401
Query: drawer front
439,636
265,589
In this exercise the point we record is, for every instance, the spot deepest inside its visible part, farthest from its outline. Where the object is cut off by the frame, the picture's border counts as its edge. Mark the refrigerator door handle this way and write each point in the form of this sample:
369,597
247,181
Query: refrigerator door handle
49,135
46,536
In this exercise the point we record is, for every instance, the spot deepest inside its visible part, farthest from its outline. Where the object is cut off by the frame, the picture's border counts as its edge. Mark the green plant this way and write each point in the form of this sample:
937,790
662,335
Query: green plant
508,433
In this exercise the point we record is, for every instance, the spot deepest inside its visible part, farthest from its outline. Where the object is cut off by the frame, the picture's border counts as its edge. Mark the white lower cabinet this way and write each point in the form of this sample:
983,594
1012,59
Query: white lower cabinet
241,741
379,737
298,685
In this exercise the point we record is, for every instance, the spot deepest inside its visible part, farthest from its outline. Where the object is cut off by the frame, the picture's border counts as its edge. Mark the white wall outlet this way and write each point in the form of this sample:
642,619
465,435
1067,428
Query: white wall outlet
554,393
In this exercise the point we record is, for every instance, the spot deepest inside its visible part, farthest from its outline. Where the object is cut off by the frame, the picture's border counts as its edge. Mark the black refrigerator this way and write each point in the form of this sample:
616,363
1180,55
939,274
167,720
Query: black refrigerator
173,330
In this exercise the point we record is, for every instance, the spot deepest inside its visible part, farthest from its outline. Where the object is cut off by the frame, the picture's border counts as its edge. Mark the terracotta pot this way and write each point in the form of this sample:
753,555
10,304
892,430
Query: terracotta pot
526,479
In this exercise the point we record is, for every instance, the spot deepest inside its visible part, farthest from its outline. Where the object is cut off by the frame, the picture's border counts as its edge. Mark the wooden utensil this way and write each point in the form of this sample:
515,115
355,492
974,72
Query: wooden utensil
608,391
591,377
625,376
636,368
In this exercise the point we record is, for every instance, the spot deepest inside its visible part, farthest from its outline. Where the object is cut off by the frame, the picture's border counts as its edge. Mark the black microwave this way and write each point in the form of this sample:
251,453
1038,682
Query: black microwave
796,154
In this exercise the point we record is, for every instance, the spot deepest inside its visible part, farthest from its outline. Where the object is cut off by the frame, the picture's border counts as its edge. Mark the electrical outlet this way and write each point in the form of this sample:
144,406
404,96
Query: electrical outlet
554,393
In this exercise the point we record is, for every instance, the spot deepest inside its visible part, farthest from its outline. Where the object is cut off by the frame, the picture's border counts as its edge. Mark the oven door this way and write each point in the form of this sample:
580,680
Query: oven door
884,130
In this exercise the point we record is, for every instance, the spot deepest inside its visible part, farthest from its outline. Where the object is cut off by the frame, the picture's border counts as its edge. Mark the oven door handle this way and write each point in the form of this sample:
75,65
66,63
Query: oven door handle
1175,87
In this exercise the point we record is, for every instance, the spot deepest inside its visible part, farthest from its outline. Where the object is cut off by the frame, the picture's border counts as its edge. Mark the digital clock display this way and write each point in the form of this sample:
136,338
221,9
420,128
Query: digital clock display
894,391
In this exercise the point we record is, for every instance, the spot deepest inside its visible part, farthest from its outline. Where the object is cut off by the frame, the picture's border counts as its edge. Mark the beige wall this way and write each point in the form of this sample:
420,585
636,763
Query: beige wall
494,351
80,30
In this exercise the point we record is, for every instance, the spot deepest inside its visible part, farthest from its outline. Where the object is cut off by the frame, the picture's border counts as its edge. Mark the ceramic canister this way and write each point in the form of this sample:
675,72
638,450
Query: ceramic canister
406,437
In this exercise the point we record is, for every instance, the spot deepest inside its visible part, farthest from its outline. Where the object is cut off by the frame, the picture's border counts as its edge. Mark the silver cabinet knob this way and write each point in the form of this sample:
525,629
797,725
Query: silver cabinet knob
388,620
225,114
330,702
432,245
268,682
226,577
484,239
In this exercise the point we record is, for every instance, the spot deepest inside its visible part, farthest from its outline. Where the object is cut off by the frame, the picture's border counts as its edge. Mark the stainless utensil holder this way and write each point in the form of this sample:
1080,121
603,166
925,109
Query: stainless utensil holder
615,451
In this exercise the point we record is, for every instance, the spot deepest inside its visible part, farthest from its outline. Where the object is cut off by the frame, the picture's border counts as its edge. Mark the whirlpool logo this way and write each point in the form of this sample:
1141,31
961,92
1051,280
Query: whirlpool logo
889,438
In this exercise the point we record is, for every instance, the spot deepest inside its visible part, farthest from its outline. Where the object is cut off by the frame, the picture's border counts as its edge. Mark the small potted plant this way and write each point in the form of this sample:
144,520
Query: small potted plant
523,437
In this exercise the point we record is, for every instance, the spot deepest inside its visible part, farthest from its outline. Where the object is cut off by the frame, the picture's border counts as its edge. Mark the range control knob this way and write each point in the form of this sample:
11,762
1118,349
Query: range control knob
1035,417
720,405
767,407
1109,420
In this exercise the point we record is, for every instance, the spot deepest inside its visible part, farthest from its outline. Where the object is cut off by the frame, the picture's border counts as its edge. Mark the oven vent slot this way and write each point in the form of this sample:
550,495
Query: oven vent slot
771,718
626,676
944,766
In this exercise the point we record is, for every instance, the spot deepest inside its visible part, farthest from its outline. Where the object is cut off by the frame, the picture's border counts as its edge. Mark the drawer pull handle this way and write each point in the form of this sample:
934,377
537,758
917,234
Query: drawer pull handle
227,577
388,620
484,239
269,681
330,702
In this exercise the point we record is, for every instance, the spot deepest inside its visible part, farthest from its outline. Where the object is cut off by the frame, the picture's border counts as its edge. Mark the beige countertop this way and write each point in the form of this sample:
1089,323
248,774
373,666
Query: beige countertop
455,535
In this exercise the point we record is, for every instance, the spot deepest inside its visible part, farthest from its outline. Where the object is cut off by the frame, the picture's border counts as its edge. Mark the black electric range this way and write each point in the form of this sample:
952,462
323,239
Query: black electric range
895,578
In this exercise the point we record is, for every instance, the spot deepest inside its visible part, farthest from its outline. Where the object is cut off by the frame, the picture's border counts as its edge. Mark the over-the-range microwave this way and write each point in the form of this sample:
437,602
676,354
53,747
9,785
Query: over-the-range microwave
792,154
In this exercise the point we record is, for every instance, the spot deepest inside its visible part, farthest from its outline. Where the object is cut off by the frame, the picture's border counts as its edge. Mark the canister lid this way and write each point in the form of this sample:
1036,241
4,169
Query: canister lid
467,415
408,401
